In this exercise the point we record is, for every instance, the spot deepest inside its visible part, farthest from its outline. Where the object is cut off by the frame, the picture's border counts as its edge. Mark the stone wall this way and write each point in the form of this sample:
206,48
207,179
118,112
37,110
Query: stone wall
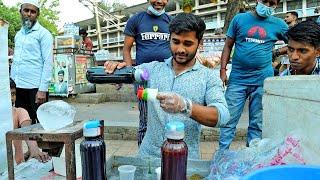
130,133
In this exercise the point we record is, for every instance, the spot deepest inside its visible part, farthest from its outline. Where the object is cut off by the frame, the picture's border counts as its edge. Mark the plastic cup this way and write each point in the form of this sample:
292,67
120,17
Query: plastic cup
158,171
126,172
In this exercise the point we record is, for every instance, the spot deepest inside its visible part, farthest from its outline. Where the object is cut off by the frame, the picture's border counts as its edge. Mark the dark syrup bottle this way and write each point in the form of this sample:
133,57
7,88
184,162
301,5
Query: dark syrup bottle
124,75
174,153
93,152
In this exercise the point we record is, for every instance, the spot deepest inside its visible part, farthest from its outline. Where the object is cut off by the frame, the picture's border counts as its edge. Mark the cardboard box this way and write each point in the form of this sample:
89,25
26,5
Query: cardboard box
59,163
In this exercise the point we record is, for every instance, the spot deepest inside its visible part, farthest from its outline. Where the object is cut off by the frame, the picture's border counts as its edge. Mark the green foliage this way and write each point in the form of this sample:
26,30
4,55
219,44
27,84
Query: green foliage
185,3
48,17
115,6
11,15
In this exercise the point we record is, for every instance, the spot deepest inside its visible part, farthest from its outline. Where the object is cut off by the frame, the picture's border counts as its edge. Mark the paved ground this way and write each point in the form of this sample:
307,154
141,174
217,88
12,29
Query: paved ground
130,148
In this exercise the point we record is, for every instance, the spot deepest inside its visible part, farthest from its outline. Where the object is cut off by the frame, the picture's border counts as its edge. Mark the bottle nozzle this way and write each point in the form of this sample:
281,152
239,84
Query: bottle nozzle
141,75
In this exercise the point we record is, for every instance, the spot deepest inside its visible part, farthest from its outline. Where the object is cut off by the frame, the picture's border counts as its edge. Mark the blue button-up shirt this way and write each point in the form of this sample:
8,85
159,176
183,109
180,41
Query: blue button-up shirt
199,84
33,58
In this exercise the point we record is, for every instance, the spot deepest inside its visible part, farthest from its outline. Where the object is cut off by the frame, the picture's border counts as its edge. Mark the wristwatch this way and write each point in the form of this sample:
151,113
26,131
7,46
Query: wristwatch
187,108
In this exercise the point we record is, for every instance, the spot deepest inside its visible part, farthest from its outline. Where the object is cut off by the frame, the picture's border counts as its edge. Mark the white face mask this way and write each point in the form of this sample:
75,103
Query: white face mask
155,12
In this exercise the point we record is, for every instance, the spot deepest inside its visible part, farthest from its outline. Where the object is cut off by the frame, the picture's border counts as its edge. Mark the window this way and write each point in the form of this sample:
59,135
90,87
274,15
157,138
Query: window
223,16
279,8
313,3
294,5
203,2
209,18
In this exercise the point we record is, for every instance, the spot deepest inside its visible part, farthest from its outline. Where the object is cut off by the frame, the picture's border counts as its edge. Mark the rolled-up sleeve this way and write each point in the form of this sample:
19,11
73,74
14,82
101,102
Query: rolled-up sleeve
215,98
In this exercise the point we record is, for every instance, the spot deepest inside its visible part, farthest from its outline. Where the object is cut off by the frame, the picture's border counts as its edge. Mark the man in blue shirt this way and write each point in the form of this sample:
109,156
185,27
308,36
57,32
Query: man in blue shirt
150,31
188,91
61,87
254,35
304,49
32,61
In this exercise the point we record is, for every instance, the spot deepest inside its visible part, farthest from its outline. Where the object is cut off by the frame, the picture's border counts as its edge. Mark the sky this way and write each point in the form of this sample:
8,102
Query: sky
74,11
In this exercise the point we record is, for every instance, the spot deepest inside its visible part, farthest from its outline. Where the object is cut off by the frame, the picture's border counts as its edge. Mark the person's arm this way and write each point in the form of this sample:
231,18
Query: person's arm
24,120
46,45
280,51
34,149
225,57
128,43
282,36
201,114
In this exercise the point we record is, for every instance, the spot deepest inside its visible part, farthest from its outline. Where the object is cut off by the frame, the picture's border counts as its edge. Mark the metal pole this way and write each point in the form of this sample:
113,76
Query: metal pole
96,14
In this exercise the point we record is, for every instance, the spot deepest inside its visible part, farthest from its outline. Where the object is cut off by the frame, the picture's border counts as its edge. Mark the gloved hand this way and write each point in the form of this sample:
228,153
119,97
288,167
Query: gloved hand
174,103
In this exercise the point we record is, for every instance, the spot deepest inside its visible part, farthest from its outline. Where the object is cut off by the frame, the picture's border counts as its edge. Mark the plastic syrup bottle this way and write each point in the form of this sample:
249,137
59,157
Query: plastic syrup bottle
93,152
174,153
124,75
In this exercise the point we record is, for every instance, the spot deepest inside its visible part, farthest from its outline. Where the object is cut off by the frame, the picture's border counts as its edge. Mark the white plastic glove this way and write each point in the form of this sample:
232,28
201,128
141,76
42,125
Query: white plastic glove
174,103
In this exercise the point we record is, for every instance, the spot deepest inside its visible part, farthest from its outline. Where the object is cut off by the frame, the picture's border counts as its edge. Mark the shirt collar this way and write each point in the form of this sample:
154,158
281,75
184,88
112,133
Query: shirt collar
195,67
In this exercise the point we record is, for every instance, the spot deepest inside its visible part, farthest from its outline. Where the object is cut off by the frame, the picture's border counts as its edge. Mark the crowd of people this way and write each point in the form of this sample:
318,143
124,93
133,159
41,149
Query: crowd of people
188,90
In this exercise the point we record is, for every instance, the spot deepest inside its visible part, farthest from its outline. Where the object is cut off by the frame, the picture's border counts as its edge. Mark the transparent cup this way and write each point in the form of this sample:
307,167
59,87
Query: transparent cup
126,172
158,171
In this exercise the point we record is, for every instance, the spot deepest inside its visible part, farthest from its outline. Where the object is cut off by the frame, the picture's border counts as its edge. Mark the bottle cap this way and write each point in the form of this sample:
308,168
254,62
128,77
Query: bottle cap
141,75
147,94
175,130
91,128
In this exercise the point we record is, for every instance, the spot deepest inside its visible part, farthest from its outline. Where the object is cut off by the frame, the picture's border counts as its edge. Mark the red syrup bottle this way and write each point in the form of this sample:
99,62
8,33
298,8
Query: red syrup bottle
174,153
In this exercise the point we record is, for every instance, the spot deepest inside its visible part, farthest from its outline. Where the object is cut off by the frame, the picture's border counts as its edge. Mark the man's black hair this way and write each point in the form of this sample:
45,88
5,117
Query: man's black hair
293,13
61,72
306,32
83,31
12,84
187,22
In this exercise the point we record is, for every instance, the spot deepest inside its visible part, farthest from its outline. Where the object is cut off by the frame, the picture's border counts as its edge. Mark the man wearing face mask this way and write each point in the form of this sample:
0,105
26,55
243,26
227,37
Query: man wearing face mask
32,61
150,31
254,35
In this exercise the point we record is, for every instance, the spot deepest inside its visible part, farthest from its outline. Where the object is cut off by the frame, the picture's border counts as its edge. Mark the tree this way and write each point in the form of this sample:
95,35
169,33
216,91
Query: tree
187,5
233,7
48,17
115,6
11,15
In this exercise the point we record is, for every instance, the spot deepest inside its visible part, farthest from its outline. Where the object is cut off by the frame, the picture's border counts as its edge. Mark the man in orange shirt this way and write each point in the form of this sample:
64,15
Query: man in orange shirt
86,41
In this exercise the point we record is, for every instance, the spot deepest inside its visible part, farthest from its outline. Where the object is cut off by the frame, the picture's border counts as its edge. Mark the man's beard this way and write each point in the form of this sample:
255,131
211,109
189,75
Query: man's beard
189,57
27,23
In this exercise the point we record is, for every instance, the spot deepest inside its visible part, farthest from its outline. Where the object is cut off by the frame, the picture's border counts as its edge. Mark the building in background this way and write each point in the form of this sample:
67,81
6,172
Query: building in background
212,13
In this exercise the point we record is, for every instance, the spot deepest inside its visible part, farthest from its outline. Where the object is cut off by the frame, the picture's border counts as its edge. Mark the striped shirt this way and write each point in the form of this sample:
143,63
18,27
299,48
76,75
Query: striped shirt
315,71
33,58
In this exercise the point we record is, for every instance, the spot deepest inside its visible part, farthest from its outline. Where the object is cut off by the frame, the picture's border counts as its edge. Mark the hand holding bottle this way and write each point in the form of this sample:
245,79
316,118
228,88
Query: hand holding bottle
174,103
111,66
